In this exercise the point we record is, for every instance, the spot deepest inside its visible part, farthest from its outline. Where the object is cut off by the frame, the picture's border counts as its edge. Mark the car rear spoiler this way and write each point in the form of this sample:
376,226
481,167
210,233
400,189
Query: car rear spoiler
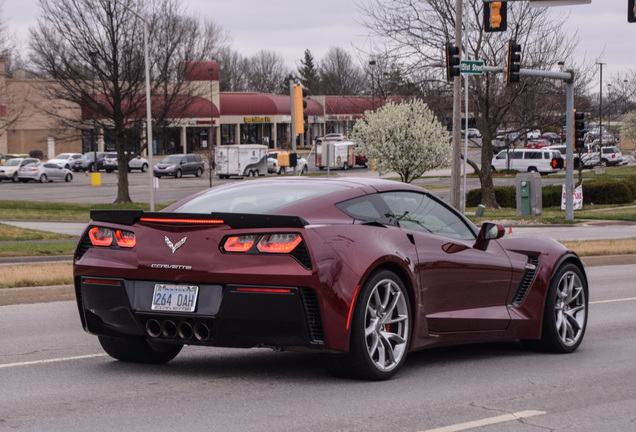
234,220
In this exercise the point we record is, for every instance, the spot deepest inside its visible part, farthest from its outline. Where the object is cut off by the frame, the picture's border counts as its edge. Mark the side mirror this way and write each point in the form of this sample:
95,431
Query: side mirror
489,231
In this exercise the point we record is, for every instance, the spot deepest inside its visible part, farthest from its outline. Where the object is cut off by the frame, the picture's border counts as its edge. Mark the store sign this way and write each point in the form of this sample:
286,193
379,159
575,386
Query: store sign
257,119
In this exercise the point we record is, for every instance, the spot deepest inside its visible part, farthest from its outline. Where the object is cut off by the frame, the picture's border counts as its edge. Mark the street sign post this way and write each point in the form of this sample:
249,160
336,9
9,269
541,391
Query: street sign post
471,67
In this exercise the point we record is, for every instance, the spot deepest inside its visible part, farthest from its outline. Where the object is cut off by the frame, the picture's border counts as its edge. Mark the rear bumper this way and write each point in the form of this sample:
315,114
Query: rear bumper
225,315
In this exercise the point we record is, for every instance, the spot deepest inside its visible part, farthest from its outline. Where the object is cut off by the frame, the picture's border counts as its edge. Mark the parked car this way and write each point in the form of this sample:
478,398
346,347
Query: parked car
9,171
272,165
554,138
44,172
543,161
332,137
538,143
472,133
66,160
83,164
110,163
179,165
362,270
612,156
533,134
100,159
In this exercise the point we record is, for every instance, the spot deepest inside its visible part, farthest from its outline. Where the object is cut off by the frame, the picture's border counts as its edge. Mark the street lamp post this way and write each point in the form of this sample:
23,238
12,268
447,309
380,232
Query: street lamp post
211,152
372,65
600,105
149,141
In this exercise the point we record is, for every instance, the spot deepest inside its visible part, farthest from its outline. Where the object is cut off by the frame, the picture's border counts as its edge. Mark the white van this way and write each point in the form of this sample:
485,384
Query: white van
543,161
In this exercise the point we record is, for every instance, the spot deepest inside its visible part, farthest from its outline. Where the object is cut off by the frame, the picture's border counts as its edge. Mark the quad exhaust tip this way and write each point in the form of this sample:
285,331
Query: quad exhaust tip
183,330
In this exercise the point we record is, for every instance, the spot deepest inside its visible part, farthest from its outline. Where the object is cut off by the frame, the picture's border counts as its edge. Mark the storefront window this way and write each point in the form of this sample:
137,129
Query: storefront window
227,134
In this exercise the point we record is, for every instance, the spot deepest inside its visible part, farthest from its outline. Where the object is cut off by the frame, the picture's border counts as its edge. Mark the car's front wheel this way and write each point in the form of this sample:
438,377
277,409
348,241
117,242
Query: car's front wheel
565,313
14,178
43,178
144,168
68,177
178,174
138,349
380,331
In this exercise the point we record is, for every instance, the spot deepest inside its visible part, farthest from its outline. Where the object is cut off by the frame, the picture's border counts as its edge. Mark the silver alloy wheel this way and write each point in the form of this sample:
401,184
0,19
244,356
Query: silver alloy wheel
386,322
570,308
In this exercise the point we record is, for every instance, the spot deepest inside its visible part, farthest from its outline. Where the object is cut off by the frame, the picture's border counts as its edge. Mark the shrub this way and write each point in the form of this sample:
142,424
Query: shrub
608,191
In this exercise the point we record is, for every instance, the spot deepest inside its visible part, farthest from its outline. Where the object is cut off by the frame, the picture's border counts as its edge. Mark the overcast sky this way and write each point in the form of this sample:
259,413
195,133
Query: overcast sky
256,24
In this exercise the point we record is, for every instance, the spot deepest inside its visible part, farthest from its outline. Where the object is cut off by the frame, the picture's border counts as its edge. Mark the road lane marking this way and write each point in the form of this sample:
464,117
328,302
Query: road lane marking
613,301
60,359
487,421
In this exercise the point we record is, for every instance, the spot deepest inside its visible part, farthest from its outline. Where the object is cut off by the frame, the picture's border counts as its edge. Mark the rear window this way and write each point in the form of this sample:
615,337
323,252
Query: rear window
258,198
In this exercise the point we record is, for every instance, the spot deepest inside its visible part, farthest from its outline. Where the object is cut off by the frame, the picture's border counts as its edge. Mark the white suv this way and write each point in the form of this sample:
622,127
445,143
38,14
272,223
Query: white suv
612,156
10,168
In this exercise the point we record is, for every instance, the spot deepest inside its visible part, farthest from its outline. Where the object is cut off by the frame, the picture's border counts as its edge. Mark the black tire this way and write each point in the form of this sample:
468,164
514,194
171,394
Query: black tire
14,178
178,174
109,171
379,338
255,173
138,349
532,169
305,170
44,178
91,168
345,166
565,312
281,171
67,166
68,177
604,162
144,168
199,172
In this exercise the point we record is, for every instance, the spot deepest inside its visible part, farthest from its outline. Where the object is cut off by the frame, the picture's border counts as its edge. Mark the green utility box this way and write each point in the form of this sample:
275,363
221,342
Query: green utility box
529,201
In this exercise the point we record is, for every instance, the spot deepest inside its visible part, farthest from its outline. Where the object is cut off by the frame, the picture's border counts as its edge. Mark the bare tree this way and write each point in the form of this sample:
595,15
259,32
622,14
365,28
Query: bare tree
417,30
267,72
93,50
233,71
339,75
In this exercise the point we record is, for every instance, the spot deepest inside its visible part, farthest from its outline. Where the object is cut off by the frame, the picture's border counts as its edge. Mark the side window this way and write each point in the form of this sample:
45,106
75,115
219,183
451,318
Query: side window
502,155
366,208
532,155
517,155
420,212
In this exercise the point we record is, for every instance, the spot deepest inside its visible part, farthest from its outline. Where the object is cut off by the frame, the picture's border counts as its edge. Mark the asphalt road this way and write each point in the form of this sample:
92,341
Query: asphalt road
55,377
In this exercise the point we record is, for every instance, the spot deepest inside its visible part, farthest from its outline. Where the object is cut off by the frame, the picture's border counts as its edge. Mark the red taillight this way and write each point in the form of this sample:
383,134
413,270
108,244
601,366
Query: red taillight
125,239
101,236
189,221
239,243
265,290
279,243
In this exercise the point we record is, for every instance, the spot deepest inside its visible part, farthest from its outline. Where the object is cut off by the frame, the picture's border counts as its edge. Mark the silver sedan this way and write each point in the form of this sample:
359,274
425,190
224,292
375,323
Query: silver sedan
44,172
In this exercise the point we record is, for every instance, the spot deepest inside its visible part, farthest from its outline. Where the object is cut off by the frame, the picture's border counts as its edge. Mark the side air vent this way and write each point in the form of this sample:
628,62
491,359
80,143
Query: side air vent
312,312
526,281
302,255
84,245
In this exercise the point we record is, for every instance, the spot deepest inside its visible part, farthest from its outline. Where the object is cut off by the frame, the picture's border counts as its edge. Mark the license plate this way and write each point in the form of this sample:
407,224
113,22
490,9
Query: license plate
175,298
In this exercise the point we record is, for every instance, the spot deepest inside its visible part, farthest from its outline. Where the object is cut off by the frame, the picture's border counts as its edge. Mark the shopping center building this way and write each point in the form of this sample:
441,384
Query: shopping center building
229,118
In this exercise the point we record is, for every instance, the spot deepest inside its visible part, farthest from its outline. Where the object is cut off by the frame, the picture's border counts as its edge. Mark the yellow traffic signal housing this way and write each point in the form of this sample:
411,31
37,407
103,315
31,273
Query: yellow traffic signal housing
495,16
298,109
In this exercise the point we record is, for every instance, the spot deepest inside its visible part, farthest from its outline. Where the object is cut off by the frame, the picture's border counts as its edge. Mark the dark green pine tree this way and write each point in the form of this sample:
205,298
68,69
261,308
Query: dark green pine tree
308,74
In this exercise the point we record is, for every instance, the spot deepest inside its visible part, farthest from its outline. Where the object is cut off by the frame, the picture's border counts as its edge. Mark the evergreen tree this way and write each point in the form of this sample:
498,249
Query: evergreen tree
308,74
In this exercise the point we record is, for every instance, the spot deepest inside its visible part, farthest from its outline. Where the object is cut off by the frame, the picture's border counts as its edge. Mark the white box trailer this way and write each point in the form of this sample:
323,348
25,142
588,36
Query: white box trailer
335,154
240,160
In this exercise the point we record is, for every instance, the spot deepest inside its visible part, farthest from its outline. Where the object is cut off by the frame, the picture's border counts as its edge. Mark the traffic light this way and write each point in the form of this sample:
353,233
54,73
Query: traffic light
514,60
495,16
452,61
579,126
631,11
299,105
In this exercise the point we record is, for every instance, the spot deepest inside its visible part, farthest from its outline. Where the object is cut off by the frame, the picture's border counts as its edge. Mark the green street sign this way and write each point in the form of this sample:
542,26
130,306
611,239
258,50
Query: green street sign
471,67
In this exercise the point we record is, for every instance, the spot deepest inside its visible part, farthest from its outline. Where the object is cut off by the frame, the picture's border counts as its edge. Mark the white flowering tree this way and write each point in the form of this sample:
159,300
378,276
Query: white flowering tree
405,138
628,130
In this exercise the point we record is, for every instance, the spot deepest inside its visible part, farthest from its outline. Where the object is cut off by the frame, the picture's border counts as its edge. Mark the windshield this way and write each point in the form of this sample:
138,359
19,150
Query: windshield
63,156
171,159
257,198
13,162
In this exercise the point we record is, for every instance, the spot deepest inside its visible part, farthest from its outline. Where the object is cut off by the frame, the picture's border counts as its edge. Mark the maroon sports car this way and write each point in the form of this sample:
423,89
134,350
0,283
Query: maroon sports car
364,270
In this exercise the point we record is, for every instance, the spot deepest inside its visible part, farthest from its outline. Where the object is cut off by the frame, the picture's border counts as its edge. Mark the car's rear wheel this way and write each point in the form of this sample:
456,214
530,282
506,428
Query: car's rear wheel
178,174
199,172
565,314
380,331
138,349
305,170
43,178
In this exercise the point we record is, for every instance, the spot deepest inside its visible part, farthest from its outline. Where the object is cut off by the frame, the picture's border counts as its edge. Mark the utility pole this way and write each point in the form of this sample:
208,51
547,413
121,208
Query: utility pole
455,188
